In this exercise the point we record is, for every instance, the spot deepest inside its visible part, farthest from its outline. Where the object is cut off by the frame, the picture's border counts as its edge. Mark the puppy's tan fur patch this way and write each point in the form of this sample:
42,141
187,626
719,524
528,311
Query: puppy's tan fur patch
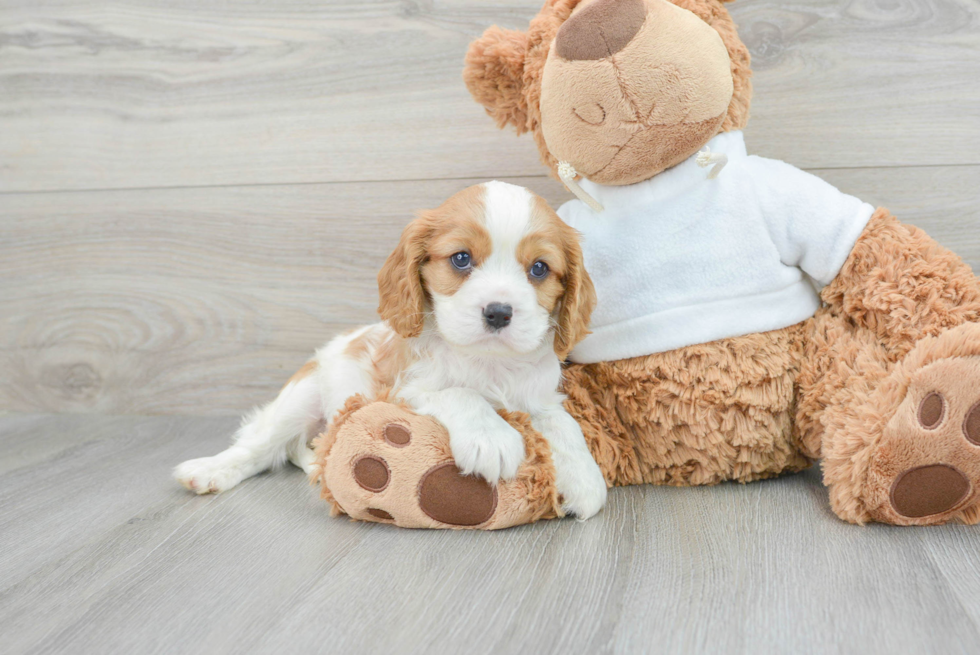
568,288
427,243
386,352
360,345
390,358
544,242
459,225
305,370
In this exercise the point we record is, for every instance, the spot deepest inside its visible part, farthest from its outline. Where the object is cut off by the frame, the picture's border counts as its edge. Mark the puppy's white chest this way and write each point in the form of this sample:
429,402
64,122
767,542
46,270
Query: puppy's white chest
518,384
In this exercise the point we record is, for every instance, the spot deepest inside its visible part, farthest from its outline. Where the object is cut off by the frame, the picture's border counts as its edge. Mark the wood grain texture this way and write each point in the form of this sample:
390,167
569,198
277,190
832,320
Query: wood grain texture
137,301
153,94
204,301
104,553
265,156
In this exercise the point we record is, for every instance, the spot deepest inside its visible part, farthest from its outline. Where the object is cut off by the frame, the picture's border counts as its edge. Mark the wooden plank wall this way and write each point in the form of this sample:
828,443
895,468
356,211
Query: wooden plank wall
194,195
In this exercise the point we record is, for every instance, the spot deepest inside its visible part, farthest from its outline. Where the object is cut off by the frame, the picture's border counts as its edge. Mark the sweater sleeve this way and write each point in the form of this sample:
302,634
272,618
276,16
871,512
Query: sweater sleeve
813,225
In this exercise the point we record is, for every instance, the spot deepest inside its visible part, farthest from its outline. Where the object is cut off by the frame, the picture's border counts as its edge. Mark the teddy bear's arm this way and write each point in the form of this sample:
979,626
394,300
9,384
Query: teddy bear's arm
813,224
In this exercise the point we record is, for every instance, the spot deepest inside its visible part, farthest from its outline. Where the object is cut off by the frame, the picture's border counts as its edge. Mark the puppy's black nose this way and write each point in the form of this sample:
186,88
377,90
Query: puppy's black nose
497,315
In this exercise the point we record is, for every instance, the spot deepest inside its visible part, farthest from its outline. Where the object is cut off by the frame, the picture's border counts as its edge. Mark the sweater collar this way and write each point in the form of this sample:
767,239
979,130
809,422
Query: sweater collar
670,182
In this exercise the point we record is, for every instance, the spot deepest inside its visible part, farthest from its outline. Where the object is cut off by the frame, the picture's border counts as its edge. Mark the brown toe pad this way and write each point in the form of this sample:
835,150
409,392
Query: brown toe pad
971,425
397,435
371,473
928,490
932,411
380,514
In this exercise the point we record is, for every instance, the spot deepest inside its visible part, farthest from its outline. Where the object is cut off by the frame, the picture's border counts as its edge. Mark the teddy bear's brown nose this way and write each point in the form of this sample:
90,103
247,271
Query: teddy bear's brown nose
600,29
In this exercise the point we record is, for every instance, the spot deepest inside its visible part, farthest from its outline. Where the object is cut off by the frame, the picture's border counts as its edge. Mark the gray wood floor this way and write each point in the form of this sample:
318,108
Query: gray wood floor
194,194
102,553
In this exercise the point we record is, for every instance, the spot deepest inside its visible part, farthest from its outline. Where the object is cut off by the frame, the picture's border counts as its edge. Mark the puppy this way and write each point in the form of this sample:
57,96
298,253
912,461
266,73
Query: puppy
481,301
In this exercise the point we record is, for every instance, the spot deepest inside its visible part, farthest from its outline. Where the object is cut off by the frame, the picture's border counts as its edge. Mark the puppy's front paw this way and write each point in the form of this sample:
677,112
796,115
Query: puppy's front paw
581,485
207,475
493,451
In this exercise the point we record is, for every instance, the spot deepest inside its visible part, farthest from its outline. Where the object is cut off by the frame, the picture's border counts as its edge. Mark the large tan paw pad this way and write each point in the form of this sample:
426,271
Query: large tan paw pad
926,467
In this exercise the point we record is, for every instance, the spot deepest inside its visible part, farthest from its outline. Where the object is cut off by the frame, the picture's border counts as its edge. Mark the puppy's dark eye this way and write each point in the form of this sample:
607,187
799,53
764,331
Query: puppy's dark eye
461,261
539,270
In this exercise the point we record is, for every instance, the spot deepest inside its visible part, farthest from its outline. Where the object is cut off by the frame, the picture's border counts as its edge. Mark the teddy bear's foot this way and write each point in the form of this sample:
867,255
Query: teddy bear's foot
925,467
381,462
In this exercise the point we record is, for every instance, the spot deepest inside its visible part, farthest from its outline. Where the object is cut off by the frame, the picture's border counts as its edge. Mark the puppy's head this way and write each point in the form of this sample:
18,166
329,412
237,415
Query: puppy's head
496,268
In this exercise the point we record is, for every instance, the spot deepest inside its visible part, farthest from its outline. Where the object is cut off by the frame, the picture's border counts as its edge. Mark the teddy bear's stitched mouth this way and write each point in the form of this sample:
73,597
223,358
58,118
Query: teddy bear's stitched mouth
616,154
647,136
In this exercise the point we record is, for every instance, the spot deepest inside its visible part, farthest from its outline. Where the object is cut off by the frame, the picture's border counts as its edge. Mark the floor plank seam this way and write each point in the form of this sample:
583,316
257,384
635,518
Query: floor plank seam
260,185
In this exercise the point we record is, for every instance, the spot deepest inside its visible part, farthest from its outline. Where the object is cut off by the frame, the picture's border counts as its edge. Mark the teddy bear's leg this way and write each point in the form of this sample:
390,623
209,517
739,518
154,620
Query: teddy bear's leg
382,462
692,416
890,382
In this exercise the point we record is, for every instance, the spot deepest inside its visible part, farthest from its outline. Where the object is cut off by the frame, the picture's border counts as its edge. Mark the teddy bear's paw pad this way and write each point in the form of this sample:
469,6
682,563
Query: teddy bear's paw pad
971,426
380,514
371,473
448,496
932,410
929,490
386,464
397,435
926,467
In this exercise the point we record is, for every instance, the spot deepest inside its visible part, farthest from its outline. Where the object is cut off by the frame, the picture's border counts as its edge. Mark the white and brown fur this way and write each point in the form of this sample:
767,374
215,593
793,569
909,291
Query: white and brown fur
439,355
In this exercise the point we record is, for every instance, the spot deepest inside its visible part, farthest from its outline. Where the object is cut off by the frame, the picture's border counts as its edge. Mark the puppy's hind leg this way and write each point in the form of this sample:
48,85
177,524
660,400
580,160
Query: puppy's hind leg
260,443
344,366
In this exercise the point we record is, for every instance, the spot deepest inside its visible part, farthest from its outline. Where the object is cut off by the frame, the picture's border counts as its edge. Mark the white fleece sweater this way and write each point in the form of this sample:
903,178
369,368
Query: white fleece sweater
680,260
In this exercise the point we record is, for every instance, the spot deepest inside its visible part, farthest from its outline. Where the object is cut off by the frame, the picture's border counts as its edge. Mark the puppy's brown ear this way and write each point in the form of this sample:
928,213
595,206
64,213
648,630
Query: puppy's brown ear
578,300
494,75
402,303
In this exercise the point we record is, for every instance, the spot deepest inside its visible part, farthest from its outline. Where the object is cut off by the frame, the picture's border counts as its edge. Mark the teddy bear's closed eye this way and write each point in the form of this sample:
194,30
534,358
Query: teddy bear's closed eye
593,114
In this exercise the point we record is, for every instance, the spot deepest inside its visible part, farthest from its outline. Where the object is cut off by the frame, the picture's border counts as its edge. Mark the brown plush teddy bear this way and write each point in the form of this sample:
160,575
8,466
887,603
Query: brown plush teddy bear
712,356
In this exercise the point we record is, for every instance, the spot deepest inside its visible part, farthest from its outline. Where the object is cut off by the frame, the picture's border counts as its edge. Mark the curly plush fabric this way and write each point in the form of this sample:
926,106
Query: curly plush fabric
882,385
697,415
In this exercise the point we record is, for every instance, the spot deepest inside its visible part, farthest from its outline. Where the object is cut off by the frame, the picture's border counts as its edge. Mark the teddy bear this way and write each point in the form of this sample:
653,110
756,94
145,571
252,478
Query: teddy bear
751,320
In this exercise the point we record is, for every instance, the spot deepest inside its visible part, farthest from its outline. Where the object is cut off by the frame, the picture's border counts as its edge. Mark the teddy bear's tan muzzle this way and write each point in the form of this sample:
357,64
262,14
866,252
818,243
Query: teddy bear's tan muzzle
631,88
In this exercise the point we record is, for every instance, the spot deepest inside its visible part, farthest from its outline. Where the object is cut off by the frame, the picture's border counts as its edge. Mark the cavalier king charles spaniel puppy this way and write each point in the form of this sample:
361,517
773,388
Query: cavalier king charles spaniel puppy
481,301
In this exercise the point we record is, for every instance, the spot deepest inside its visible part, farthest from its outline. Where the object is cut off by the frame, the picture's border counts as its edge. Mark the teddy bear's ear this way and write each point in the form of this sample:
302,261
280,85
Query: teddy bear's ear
494,74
